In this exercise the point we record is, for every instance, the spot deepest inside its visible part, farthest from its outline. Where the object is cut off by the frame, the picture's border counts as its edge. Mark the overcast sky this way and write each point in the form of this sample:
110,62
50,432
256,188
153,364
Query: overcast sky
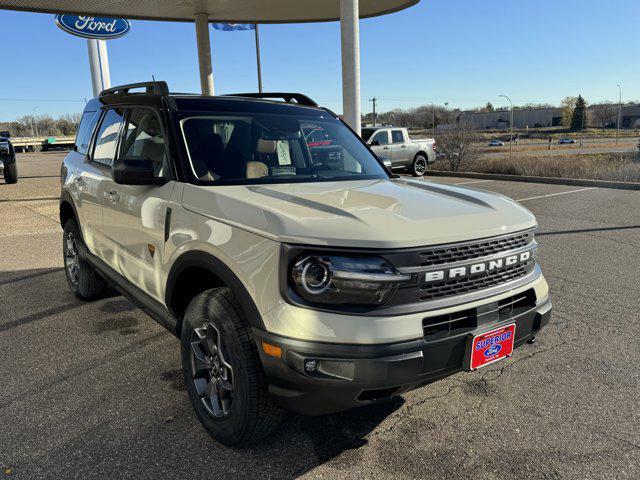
465,52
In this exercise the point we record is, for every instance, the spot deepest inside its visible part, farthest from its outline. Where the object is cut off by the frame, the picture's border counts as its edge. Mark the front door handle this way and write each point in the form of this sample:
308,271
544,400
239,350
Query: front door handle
385,148
112,196
404,146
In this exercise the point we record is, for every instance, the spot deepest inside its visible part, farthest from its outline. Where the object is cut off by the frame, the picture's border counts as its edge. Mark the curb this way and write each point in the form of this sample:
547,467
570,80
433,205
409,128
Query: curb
550,180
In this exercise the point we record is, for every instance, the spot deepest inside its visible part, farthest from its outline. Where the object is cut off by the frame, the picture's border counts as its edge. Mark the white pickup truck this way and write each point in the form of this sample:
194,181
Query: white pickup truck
394,144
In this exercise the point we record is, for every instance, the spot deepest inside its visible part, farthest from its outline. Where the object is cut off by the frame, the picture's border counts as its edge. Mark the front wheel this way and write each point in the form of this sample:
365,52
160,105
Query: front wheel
223,373
419,165
11,173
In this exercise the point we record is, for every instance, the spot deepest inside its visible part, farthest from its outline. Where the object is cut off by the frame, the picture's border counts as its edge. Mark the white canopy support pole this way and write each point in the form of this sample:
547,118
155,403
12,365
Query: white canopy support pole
105,73
94,66
204,53
350,42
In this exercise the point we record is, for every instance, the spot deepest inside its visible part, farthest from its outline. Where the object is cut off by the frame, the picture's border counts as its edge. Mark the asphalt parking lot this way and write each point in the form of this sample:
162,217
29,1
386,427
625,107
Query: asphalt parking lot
95,390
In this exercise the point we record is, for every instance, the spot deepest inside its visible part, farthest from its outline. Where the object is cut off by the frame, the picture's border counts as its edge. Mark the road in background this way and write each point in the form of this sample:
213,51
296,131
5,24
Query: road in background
95,390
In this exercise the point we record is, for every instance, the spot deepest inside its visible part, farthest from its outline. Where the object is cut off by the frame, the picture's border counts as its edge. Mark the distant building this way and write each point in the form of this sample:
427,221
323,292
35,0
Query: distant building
543,117
535,117
630,116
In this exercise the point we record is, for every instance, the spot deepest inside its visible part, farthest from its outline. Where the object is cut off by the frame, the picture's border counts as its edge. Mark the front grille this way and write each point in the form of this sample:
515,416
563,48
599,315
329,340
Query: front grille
466,321
444,257
457,253
447,324
459,286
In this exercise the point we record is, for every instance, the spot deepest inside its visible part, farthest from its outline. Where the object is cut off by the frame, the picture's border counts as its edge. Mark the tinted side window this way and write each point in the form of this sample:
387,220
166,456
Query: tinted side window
86,128
397,136
144,139
107,138
381,137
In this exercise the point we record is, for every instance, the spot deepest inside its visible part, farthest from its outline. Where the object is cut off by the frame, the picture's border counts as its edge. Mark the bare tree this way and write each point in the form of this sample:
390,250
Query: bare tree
425,116
602,114
68,124
568,105
44,125
458,144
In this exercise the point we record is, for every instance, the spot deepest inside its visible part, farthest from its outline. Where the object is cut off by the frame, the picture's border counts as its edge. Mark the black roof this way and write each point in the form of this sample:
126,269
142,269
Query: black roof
155,93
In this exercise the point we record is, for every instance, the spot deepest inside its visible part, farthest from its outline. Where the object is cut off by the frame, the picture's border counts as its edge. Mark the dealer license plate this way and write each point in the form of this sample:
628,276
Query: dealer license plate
492,346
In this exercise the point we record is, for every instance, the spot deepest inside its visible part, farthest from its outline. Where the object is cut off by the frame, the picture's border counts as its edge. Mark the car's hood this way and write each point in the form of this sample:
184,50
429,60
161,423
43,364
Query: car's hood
365,213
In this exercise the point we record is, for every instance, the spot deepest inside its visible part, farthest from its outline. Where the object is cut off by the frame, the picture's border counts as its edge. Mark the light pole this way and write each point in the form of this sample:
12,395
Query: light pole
446,104
374,100
33,118
619,112
510,126
34,126
446,107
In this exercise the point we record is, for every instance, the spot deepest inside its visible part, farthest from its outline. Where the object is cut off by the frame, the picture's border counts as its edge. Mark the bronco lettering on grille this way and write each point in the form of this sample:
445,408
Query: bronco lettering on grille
478,267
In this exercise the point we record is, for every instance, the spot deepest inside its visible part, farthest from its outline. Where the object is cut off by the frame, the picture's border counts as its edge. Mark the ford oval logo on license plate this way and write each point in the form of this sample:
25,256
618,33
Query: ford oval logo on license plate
491,346
99,28
493,350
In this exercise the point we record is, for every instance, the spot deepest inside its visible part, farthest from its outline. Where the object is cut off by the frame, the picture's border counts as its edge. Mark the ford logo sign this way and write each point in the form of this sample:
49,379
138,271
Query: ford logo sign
492,350
99,28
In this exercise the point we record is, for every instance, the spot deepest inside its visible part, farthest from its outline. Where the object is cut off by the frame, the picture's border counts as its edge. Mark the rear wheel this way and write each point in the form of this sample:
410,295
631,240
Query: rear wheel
223,373
83,280
419,165
11,173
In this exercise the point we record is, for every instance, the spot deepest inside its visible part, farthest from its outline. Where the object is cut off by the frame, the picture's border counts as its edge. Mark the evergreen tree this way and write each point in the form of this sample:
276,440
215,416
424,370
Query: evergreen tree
489,107
579,116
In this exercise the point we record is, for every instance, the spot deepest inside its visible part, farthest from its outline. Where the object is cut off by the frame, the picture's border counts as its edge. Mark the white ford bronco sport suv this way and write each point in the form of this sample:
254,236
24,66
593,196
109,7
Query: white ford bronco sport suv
296,277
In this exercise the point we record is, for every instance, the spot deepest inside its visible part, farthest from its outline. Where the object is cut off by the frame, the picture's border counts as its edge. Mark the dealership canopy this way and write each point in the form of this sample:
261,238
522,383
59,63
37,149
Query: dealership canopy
241,11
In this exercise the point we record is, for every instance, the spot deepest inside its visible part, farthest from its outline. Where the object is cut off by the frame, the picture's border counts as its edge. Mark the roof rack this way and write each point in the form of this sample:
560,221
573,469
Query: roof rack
287,97
151,88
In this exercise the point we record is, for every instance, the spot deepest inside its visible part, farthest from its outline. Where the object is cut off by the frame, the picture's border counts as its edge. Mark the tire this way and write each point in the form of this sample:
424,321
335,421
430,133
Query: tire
83,280
11,173
419,165
218,349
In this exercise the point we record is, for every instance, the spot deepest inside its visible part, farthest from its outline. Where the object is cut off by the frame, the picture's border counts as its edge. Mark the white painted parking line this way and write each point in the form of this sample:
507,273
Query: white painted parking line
554,194
474,181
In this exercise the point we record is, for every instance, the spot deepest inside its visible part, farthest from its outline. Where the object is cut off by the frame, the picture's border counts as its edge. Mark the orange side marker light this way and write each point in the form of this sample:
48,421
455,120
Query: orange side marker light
271,350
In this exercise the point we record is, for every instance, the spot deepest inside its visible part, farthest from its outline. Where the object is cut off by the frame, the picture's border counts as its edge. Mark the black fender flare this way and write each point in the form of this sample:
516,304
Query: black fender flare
65,197
223,272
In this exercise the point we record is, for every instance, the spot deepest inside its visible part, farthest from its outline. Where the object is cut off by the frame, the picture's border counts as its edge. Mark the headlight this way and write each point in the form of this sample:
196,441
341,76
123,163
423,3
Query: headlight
340,280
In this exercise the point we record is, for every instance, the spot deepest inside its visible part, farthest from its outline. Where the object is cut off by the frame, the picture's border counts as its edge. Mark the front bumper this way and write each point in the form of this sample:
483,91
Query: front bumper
346,376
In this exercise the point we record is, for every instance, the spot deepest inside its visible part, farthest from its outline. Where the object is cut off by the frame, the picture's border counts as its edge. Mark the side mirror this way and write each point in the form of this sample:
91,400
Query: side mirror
375,143
136,171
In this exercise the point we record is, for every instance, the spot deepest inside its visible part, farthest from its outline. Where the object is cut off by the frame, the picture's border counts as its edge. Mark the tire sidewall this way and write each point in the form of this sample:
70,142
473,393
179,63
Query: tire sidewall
11,173
413,165
87,287
203,309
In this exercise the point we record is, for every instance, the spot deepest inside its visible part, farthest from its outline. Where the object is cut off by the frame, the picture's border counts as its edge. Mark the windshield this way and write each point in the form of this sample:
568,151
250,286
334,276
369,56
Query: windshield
265,148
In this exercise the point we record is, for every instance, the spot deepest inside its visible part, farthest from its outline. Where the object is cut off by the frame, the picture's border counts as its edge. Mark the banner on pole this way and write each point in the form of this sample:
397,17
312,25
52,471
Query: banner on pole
233,27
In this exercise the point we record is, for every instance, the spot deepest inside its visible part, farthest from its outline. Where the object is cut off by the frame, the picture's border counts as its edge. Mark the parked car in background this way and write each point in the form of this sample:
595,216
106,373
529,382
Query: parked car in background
394,143
496,143
8,166
566,140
